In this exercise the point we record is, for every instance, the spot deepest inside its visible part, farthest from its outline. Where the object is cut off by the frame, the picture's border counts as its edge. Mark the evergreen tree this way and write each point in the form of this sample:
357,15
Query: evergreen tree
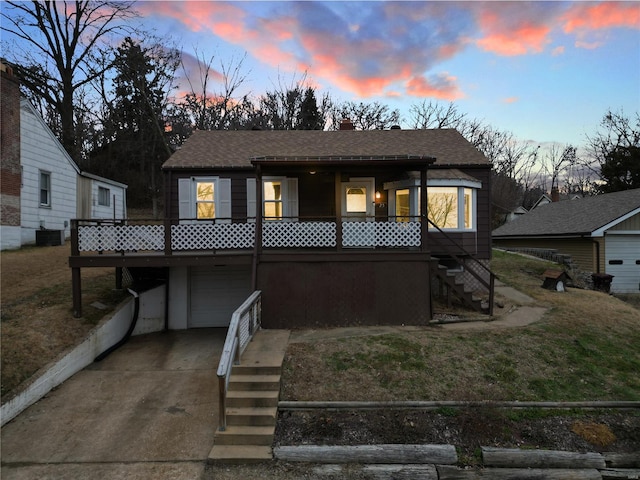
135,144
309,116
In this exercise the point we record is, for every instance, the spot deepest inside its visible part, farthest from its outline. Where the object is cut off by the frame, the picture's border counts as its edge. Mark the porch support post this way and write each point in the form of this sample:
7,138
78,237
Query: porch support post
76,287
168,181
338,202
257,249
424,224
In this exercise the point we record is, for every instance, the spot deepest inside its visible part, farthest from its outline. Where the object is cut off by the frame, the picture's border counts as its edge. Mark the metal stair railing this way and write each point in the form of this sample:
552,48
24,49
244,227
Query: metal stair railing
492,276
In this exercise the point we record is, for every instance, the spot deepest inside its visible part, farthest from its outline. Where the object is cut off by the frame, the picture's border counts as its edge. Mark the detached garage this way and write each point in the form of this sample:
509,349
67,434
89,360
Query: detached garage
207,296
622,258
601,233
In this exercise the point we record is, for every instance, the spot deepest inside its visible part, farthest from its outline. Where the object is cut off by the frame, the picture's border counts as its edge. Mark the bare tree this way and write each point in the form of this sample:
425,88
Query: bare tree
62,41
435,115
365,116
555,162
614,152
214,106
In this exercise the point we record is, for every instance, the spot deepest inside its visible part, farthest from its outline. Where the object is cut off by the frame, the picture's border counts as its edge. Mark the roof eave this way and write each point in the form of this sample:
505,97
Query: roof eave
415,161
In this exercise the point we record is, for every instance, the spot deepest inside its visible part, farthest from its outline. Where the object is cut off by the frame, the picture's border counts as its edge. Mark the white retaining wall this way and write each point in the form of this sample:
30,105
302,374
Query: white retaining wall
108,333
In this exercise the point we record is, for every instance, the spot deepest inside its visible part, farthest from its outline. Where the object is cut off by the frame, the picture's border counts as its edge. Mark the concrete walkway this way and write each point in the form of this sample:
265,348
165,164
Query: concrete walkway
149,410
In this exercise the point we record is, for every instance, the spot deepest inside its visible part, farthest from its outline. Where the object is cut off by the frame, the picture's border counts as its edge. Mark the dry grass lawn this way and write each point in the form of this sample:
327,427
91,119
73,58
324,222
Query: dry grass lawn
585,348
36,310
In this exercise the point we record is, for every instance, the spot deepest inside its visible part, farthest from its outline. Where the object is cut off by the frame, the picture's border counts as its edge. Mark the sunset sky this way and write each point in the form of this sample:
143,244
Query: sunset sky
546,71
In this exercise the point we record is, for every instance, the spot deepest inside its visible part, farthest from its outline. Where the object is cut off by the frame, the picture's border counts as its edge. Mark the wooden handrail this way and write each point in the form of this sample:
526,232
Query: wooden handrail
241,331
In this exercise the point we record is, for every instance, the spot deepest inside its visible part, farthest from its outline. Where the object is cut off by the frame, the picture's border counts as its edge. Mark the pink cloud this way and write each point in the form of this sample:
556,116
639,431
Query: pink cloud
557,51
509,35
443,87
510,100
589,16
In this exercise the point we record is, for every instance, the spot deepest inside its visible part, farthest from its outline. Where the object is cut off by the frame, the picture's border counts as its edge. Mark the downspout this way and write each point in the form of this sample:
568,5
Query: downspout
132,326
597,244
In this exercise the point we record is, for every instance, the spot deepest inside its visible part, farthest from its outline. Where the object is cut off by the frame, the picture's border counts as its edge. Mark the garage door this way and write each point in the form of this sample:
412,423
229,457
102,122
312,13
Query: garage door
215,293
622,257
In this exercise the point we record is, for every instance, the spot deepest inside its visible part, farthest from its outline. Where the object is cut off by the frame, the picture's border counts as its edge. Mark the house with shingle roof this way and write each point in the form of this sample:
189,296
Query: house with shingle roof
601,233
332,227
42,188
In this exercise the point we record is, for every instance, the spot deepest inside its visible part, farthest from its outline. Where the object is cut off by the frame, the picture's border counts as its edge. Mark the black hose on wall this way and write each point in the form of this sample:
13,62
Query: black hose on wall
132,326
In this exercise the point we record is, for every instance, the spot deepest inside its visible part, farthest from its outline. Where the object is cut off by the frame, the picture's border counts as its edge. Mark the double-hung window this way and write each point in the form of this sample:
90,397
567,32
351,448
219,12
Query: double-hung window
204,199
104,197
273,199
279,198
45,189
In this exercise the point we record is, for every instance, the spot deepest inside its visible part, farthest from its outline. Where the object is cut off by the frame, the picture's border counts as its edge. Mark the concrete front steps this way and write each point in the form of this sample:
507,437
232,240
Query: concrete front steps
252,402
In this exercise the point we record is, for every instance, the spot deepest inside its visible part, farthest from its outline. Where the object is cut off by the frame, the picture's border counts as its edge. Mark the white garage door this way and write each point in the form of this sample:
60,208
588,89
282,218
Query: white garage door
215,293
622,257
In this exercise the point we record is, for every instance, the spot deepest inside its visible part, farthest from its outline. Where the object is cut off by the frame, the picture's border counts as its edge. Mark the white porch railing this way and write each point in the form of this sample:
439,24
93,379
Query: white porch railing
381,234
110,237
212,236
299,234
145,236
245,322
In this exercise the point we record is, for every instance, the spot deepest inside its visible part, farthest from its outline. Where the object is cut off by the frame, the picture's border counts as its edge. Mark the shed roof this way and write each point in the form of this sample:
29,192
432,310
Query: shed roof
577,217
236,148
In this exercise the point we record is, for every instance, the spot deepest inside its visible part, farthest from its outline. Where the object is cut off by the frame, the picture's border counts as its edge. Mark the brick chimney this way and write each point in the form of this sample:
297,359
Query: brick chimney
346,124
10,172
555,195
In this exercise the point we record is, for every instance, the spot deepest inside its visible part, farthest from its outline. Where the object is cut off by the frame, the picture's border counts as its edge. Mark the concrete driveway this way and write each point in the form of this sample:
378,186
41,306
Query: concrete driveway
149,410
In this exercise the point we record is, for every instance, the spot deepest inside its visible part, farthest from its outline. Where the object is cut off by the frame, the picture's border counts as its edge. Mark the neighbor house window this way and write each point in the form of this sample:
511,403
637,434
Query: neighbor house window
45,189
104,197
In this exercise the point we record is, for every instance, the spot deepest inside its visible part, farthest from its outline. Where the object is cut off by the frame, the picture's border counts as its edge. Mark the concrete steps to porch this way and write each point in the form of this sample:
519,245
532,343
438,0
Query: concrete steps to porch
252,402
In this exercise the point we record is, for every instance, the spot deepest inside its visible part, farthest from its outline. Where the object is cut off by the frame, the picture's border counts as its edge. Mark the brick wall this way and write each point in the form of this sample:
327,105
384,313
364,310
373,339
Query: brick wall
10,172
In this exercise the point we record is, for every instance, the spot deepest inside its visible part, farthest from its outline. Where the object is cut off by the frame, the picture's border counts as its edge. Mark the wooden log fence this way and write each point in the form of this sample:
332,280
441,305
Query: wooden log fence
438,462
391,454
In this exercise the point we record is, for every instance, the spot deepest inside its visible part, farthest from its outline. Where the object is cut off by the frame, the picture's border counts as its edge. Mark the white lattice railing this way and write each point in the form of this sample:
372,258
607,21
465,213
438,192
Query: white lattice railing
381,234
299,234
214,236
100,238
220,236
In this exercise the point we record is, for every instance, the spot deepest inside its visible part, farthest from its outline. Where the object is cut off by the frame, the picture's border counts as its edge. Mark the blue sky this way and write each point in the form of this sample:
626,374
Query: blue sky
546,71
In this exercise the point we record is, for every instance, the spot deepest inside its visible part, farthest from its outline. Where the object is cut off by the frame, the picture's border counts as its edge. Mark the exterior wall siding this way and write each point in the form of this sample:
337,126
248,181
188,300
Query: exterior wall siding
325,294
117,210
41,152
632,223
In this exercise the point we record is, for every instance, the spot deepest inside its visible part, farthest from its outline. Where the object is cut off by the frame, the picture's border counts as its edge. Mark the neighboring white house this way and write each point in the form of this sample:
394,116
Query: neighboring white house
47,188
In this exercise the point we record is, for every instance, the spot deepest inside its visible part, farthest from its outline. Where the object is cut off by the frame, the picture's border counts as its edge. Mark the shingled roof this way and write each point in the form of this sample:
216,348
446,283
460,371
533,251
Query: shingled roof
236,148
572,217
